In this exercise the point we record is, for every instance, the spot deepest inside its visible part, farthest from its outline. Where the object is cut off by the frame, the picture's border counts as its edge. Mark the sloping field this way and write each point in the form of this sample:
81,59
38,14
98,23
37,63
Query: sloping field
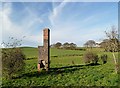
67,68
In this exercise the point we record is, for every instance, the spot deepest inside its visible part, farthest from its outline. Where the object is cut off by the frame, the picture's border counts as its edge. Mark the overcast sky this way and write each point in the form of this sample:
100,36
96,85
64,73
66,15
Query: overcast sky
74,22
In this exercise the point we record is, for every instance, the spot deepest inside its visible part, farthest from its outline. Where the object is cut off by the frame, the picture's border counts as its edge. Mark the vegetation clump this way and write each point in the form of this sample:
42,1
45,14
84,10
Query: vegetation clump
90,57
12,60
104,58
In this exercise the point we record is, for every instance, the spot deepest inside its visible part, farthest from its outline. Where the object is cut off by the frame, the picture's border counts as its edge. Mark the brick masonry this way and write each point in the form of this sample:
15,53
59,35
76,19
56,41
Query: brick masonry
44,55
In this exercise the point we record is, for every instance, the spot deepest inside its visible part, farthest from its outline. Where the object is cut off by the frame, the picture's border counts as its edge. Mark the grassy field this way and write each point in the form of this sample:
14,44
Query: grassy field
67,68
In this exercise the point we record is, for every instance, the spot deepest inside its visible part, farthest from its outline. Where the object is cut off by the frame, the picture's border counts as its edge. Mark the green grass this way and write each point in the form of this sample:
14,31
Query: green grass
62,52
30,52
64,72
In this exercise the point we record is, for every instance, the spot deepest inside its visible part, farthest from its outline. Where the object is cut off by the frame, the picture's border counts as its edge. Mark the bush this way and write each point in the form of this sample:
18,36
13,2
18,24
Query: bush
90,57
12,61
104,58
12,58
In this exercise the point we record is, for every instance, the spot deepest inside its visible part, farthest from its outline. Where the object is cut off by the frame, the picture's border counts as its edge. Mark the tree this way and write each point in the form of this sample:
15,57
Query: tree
58,45
113,43
72,46
66,45
12,59
86,45
107,45
69,45
90,43
104,44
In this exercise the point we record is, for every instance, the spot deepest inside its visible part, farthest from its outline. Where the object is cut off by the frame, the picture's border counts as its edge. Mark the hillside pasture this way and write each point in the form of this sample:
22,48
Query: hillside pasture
67,68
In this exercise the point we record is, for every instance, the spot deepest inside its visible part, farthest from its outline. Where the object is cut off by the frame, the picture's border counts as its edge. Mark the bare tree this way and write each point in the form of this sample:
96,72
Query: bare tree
113,43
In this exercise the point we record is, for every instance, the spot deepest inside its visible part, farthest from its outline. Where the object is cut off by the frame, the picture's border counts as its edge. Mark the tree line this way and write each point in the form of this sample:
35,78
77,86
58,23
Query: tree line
64,45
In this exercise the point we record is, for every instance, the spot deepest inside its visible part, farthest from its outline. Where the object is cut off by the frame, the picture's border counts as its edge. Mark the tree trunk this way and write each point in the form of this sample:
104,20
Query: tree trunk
116,66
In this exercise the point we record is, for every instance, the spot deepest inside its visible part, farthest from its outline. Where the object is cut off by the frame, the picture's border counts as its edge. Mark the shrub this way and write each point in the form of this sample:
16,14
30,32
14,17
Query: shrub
12,61
104,58
90,57
12,58
95,59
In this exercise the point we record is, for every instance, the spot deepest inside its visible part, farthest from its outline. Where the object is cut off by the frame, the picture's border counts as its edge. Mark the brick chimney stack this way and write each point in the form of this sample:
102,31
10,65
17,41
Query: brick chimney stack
44,54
